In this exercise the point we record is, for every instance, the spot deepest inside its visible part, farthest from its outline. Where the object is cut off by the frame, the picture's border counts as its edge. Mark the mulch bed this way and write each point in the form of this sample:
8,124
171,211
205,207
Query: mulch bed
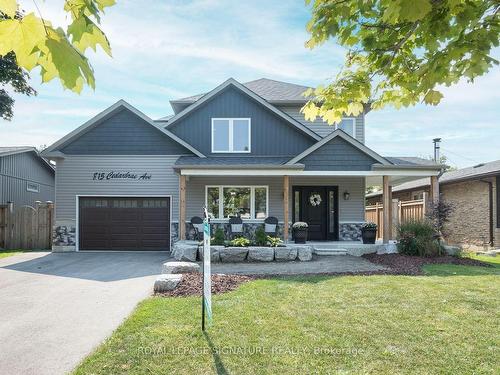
191,284
400,264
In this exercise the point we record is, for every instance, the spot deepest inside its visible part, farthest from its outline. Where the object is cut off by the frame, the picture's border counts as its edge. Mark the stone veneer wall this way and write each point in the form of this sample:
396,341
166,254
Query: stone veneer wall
347,231
469,220
64,236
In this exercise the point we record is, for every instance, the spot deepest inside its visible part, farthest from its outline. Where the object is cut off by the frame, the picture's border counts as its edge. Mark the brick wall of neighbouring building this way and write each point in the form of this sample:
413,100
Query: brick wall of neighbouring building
469,220
496,222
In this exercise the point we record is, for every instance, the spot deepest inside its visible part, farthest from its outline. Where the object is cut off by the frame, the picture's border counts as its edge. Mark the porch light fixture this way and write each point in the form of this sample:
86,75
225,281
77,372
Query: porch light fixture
347,195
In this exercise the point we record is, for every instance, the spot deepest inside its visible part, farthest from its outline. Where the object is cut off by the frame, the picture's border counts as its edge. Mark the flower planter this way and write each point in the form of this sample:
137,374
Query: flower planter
300,235
368,235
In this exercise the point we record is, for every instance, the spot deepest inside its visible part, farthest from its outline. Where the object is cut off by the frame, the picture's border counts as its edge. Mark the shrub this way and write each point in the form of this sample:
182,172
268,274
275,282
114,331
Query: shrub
273,241
218,238
260,237
439,214
419,238
240,242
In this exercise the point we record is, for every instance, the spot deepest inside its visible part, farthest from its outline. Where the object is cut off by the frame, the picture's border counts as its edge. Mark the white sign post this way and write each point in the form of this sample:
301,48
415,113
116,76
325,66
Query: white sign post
206,300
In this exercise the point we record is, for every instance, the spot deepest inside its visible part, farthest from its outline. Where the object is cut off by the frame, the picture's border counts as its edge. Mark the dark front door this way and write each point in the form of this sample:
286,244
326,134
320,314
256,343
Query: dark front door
107,223
318,207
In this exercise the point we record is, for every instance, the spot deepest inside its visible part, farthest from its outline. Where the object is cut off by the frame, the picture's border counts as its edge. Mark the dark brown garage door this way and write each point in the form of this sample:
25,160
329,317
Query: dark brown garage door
124,223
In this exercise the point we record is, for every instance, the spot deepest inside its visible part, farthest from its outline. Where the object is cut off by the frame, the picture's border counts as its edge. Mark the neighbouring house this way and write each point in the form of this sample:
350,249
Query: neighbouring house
474,194
127,182
25,177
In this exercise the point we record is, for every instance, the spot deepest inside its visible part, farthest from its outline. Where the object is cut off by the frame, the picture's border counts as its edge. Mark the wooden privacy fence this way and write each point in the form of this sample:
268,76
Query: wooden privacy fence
402,211
26,227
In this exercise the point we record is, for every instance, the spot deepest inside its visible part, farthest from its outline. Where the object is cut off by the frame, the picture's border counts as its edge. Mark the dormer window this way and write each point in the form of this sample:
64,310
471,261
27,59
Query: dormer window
231,135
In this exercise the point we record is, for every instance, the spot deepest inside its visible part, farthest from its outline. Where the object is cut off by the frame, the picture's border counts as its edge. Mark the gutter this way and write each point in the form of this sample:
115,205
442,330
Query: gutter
239,166
490,198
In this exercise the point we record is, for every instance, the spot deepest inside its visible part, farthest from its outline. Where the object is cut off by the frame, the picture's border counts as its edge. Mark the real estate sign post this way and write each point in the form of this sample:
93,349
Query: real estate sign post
206,299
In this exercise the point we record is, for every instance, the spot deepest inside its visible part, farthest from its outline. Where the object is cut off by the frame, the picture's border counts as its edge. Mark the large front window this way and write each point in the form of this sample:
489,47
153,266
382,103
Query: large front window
247,202
231,135
348,125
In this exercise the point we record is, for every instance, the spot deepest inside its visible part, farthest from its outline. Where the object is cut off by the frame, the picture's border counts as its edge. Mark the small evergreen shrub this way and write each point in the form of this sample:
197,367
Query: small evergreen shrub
260,237
419,238
218,238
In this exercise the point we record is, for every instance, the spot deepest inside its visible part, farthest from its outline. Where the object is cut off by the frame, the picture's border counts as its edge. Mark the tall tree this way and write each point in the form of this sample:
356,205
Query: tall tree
34,42
400,51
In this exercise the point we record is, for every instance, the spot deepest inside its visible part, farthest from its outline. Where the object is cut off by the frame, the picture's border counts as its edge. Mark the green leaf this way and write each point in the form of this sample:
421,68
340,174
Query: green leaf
9,7
23,36
414,10
85,34
354,108
433,97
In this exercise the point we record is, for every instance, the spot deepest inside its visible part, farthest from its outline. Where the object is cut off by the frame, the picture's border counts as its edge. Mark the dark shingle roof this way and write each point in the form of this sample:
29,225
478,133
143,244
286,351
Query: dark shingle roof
221,161
476,171
404,160
268,89
17,149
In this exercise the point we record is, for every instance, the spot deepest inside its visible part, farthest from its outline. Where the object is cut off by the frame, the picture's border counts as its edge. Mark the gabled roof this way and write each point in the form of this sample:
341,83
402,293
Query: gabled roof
340,133
118,106
250,93
268,89
6,151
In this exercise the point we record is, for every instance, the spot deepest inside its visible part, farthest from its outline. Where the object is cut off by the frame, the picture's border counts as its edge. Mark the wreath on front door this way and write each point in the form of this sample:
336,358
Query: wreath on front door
315,199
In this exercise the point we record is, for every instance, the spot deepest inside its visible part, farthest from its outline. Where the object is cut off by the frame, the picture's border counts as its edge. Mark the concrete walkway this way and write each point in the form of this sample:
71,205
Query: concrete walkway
56,308
319,264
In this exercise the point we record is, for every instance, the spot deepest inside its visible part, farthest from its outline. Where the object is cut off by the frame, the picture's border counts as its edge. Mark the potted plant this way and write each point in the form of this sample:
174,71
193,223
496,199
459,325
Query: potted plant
300,231
369,232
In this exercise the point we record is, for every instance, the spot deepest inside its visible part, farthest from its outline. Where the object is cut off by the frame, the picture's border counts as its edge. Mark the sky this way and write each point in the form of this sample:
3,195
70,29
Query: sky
164,50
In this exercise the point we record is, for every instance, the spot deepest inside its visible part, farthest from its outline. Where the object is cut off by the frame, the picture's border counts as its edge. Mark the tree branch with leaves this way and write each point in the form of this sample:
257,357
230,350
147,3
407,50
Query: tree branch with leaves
400,51
59,53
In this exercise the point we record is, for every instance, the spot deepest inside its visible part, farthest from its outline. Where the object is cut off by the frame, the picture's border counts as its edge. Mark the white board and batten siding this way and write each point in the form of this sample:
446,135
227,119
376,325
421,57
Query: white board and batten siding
74,177
319,126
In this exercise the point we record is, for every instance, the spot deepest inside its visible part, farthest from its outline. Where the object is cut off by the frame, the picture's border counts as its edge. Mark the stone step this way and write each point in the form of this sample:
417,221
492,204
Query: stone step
329,251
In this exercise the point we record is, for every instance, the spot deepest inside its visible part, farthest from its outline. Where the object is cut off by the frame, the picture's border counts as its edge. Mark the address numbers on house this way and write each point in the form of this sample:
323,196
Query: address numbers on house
113,175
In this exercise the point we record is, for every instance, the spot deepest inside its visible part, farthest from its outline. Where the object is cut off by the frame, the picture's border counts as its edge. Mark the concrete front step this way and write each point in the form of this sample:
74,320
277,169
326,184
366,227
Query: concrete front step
329,251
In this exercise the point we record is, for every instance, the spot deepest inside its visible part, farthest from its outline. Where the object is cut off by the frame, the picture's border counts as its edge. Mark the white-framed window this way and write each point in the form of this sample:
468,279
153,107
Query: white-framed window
33,187
231,135
247,202
348,124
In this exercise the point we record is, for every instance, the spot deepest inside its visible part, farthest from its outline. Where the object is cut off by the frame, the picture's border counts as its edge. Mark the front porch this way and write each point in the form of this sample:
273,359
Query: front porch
254,194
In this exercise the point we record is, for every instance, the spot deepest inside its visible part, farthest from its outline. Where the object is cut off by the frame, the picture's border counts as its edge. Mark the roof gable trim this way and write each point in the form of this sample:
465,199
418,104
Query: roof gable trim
119,105
339,133
260,100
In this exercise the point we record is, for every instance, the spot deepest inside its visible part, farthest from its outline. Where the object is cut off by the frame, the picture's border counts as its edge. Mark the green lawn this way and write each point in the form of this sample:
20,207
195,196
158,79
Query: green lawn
8,253
446,322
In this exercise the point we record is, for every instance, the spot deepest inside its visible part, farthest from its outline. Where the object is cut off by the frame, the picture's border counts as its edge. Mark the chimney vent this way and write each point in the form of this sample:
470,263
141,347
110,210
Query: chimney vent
437,146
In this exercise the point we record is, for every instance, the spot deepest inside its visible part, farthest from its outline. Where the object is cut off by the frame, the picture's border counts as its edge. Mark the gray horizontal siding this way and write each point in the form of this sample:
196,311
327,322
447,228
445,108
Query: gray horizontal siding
74,177
124,133
271,135
337,155
15,173
350,211
320,127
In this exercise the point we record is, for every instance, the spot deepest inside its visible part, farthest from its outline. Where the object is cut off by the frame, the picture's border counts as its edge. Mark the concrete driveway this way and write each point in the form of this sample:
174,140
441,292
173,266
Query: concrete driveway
56,308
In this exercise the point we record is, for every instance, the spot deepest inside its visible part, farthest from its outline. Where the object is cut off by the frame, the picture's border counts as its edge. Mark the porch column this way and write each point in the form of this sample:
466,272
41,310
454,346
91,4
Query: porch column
286,190
182,207
387,199
434,191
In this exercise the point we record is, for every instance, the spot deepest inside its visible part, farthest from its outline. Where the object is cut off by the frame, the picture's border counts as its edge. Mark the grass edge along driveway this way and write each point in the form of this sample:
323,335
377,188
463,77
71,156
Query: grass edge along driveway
445,322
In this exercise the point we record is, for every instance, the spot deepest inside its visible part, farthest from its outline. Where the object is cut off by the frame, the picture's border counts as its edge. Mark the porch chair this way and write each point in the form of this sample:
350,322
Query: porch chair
271,226
197,223
235,227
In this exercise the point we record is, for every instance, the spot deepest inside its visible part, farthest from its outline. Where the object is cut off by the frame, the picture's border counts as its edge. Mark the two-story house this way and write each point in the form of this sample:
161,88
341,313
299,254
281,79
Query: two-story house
127,182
